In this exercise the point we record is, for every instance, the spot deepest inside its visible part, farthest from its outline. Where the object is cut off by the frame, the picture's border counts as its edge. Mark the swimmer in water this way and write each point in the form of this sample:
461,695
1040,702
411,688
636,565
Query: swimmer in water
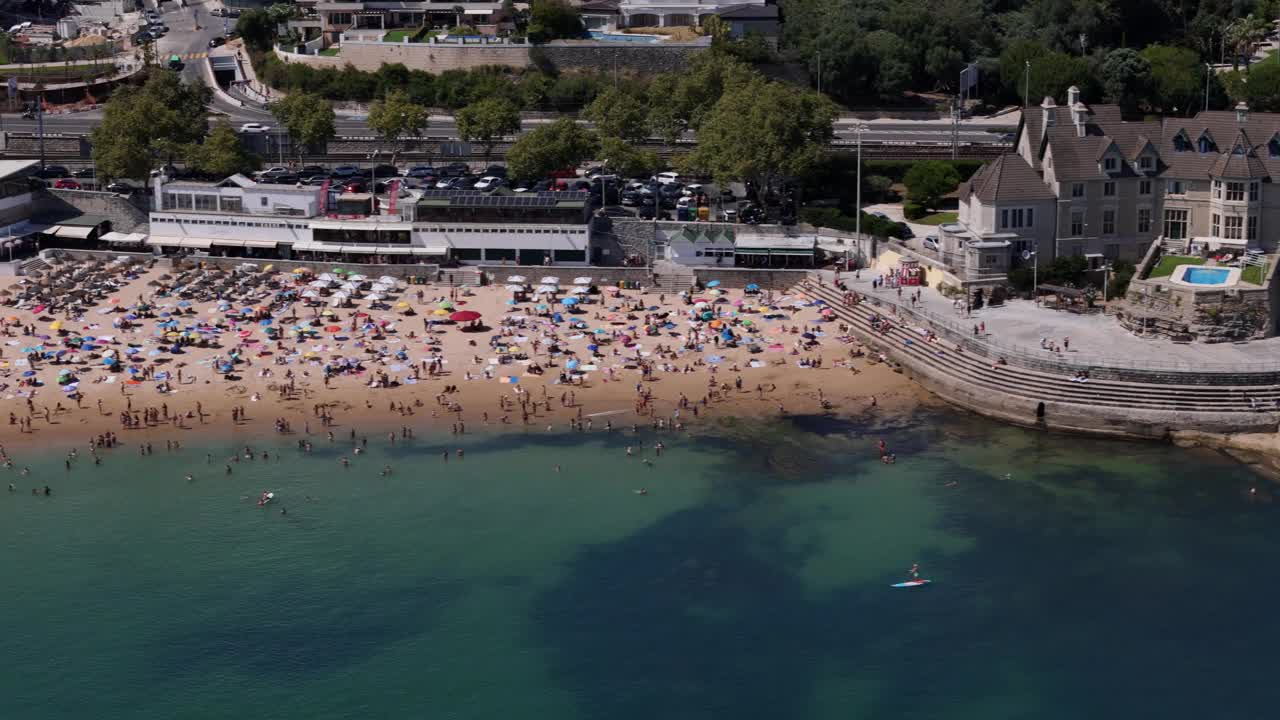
642,491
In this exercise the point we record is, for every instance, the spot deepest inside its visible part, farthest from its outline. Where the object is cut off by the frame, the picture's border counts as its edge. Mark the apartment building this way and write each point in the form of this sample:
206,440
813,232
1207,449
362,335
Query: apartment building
1117,185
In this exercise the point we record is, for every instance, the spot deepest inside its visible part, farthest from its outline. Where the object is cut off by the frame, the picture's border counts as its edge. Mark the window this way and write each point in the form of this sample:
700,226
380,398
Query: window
1217,189
339,18
1175,224
1273,147
1014,218
1109,222
1206,144
1077,190
1111,251
1145,162
1252,228
1144,187
1253,192
1144,220
1181,143
1175,187
263,201
206,202
1109,163
1077,223
1233,228
1235,192
184,202
1215,225
1109,188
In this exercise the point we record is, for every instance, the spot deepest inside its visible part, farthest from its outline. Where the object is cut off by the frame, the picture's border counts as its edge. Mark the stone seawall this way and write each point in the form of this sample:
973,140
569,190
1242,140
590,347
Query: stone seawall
633,58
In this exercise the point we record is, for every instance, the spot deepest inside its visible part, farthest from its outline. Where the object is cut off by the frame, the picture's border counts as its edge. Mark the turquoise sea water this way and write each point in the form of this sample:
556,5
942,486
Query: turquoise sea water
1099,579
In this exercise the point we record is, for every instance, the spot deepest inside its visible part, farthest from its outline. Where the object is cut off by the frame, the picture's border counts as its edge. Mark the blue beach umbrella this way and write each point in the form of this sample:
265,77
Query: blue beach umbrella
569,301
571,365
713,283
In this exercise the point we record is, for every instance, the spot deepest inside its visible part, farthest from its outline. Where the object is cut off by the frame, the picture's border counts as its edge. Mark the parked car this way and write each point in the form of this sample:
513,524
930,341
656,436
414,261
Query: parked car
421,171
313,170
692,189
346,171
120,188
384,171
905,232
254,128
52,172
88,172
496,171
314,179
931,243
217,42
488,182
273,171
355,186
454,170
647,212
67,184
668,177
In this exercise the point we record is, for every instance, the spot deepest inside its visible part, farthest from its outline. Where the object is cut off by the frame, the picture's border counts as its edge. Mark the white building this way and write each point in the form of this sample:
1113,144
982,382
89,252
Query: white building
240,217
692,13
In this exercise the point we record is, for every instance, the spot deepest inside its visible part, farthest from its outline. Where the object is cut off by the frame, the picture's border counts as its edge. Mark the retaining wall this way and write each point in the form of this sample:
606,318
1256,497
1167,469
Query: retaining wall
124,215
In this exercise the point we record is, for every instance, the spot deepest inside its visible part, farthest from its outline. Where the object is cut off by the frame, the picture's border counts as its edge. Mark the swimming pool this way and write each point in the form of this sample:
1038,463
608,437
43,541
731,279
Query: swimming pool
620,37
1205,276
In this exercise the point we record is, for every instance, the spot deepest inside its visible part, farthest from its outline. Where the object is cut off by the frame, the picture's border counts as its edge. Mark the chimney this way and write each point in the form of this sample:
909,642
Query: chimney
1078,114
1047,107
1242,113
1073,96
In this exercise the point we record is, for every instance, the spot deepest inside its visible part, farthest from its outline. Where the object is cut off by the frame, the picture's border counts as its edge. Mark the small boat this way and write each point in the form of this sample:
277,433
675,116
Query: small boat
911,584
266,498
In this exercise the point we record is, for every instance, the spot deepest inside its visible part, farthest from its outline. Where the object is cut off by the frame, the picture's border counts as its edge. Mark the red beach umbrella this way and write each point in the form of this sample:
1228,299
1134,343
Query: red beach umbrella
464,316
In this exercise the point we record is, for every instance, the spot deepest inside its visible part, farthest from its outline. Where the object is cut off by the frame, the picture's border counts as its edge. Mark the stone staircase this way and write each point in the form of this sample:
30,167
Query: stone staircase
984,378
671,277
35,264
460,277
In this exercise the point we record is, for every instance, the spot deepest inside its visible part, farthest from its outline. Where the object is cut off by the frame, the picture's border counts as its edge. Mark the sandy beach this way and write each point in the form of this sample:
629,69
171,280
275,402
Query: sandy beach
157,353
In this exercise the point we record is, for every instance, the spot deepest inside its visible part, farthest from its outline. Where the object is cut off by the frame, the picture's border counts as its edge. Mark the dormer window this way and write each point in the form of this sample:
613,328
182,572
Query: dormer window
1239,149
1273,147
1145,162
1109,163
1206,144
1182,144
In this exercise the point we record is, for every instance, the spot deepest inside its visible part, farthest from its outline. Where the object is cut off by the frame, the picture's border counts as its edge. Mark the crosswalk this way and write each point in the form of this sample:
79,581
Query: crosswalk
194,56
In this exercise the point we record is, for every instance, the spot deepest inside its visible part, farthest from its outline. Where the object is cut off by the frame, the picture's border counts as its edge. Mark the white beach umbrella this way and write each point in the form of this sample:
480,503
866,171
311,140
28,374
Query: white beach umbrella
517,279
582,281
548,280
579,290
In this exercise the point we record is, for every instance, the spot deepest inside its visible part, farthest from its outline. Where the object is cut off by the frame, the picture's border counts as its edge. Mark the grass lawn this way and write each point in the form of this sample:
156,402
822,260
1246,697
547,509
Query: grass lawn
1252,274
941,218
331,51
1165,267
400,35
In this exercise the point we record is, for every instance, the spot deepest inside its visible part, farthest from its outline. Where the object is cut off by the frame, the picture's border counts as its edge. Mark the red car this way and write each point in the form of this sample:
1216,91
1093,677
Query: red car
67,184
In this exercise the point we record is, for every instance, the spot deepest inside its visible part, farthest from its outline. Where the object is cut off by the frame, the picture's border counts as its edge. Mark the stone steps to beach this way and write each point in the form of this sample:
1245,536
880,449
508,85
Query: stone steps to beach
1037,386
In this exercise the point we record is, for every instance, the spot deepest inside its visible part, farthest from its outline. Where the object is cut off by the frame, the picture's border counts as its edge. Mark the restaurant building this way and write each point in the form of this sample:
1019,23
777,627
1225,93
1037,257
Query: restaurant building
239,217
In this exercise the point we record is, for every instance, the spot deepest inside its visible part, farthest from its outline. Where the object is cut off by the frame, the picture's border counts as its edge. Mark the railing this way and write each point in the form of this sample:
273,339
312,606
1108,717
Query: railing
1037,359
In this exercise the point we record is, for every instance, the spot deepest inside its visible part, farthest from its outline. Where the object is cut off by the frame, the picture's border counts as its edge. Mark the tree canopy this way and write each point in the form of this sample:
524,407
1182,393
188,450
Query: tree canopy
548,148
308,118
257,28
554,20
762,131
396,117
222,154
143,126
617,113
488,121
928,181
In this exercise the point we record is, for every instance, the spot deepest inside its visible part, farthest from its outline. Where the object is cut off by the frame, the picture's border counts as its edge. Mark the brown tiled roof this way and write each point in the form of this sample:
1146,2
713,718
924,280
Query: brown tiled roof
1007,178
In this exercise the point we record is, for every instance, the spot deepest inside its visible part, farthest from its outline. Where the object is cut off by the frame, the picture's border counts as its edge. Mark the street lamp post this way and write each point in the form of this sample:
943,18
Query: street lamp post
859,129
1026,86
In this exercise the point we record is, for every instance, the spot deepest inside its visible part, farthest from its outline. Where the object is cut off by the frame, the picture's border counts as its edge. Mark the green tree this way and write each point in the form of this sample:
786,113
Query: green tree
681,101
617,113
554,20
1177,77
1259,87
222,154
308,118
145,126
762,131
929,180
488,121
557,146
626,159
396,117
281,13
1126,77
257,29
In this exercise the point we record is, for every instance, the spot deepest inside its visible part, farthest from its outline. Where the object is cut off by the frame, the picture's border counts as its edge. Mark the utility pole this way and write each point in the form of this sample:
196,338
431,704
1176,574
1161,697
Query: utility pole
955,129
1026,87
859,129
40,124
1208,71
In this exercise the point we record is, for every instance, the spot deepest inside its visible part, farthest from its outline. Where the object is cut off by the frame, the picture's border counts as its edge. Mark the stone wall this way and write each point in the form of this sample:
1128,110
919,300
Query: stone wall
633,58
124,215
1157,307
623,238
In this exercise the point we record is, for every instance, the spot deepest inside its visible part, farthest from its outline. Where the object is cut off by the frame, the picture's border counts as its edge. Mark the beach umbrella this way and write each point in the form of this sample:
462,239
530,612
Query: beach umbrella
517,279
300,271
446,305
55,325
582,281
571,365
581,290
515,288
549,280
402,305
464,316
569,301
713,283
440,312
332,328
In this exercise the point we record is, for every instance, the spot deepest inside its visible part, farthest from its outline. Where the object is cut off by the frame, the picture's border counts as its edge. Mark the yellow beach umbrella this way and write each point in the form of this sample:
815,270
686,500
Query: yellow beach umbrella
55,325
402,304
